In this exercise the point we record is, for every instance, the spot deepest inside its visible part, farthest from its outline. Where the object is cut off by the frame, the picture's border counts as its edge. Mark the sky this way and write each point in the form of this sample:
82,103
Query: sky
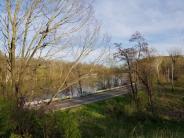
160,21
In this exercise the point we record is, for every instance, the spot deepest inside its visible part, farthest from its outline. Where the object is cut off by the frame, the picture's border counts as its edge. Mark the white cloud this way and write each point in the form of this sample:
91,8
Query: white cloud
165,47
121,18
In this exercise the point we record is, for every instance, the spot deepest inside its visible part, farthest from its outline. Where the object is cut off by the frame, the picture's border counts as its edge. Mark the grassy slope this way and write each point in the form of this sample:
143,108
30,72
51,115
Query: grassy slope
118,118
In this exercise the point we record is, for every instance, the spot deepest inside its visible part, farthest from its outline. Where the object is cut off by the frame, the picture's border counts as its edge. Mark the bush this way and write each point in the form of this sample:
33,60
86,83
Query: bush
5,125
69,124
18,136
17,122
28,122
113,110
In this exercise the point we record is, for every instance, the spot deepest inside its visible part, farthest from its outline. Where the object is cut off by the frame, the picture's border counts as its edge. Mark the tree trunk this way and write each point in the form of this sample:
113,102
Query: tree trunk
12,66
79,82
136,81
80,88
172,77
131,83
168,75
149,91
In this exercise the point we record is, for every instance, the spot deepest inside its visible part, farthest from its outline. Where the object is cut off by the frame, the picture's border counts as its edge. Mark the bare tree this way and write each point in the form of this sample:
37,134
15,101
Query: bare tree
157,63
146,74
140,46
32,28
128,55
139,62
174,55
144,66
87,46
132,56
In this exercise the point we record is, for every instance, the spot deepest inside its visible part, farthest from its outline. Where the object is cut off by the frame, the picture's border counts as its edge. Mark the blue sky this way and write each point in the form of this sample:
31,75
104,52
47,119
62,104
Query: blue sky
160,21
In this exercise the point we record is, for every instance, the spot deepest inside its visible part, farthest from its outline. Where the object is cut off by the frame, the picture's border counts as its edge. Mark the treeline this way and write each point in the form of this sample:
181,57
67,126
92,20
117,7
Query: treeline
45,77
168,72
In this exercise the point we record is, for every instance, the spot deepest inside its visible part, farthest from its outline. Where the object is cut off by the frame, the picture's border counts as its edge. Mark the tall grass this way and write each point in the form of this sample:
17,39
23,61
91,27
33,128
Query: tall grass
118,117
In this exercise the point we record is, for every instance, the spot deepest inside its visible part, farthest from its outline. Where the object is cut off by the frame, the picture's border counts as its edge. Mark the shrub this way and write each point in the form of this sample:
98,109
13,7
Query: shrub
5,124
18,136
18,122
69,124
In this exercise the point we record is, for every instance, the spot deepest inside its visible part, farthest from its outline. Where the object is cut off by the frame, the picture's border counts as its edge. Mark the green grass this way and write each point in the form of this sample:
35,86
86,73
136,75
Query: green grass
118,118
113,118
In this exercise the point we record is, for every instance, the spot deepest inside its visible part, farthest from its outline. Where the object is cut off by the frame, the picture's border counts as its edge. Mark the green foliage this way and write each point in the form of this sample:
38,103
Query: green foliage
17,122
5,124
118,117
19,136
183,98
27,121
70,125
